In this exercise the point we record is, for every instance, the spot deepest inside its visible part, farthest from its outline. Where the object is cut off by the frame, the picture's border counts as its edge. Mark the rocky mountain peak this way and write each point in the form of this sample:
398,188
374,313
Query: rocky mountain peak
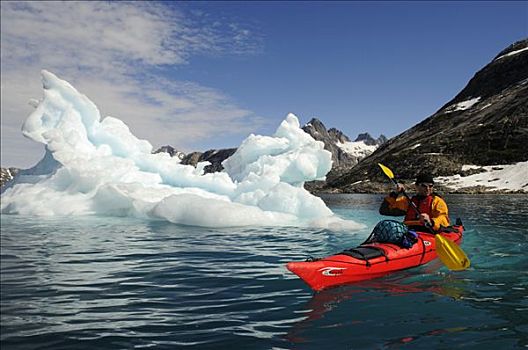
365,137
382,139
171,151
508,68
316,127
369,140
338,135
213,156
336,142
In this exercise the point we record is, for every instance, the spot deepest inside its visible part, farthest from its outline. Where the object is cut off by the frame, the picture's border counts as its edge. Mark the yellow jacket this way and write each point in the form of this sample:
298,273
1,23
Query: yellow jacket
399,206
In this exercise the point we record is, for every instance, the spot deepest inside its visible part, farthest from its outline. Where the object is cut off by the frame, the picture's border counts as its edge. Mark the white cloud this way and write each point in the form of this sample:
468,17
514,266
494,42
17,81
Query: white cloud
117,53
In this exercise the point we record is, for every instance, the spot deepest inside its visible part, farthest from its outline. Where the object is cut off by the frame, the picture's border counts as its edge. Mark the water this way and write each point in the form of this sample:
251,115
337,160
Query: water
121,283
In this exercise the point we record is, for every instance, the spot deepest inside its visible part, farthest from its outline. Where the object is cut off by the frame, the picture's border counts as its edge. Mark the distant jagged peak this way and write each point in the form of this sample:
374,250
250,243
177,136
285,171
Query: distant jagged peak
214,157
171,151
382,139
369,140
315,123
345,154
338,135
366,138
318,130
315,126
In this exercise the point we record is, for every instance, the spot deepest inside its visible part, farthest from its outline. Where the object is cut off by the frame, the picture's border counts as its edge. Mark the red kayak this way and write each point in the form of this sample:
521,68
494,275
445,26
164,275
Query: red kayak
369,261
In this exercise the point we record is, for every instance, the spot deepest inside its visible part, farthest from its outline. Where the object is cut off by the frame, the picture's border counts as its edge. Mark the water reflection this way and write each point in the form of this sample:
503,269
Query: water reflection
375,292
397,343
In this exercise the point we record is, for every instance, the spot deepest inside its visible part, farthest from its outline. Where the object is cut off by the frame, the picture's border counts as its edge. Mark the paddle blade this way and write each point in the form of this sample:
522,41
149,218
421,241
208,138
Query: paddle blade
387,171
451,254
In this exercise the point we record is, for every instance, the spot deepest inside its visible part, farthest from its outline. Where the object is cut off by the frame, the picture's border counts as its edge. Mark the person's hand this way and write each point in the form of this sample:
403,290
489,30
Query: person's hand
424,218
397,190
400,188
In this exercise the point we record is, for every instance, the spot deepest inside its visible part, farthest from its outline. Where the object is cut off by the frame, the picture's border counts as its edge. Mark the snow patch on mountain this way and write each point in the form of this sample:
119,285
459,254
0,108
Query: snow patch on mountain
357,149
511,53
511,177
462,106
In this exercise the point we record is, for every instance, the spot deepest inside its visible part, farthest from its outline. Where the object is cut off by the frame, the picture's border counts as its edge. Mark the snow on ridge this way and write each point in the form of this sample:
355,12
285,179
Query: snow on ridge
357,149
485,106
510,177
462,106
511,53
469,167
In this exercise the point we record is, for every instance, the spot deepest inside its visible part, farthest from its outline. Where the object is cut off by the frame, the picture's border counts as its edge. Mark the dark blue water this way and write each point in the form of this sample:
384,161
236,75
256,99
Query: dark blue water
121,283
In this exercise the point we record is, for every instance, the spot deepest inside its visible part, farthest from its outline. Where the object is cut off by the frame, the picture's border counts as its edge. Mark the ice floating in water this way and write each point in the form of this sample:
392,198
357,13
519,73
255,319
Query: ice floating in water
98,167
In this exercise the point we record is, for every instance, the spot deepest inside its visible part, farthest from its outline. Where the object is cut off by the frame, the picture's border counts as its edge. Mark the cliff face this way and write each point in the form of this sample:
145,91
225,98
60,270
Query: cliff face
485,124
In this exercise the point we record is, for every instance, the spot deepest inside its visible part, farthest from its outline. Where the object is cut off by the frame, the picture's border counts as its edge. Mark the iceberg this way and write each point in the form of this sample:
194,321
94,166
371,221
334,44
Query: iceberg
95,166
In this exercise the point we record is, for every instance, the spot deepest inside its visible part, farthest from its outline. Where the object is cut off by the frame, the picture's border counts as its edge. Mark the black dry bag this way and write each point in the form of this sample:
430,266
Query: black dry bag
392,231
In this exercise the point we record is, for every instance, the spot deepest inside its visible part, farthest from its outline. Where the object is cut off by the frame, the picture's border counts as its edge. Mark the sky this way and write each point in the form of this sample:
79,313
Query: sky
202,75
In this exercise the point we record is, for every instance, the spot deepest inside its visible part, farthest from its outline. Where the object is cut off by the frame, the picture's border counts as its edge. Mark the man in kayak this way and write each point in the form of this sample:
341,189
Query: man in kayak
433,209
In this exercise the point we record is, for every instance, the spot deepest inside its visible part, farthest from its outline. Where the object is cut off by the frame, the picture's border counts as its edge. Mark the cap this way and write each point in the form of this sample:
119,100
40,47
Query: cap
424,178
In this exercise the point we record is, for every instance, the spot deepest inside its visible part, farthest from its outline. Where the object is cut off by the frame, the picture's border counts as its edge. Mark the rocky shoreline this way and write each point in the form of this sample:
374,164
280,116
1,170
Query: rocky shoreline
368,187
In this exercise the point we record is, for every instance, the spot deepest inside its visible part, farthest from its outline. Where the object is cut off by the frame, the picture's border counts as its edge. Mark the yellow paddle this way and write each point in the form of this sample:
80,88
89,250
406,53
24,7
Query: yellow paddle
449,252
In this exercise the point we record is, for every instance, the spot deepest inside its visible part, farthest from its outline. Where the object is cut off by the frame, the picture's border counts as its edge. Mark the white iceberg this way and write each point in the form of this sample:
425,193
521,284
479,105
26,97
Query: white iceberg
98,167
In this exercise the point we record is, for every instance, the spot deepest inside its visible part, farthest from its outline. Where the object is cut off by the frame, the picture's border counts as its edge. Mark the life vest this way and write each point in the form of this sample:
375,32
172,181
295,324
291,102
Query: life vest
425,206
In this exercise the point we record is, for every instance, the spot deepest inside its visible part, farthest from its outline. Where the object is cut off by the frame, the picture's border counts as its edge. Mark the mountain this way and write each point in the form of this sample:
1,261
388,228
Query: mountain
486,124
345,153
370,141
171,151
213,156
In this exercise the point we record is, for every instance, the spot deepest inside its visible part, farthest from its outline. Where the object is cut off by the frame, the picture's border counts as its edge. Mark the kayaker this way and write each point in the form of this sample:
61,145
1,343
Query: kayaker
433,209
